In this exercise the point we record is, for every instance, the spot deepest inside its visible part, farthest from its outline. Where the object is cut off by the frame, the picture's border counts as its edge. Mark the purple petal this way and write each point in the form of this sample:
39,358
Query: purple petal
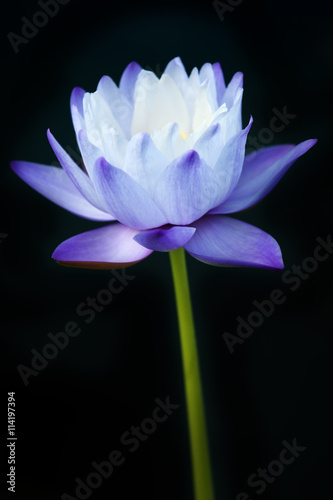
78,120
262,170
219,83
76,175
108,247
76,103
165,239
54,184
223,241
128,80
125,198
186,189
77,99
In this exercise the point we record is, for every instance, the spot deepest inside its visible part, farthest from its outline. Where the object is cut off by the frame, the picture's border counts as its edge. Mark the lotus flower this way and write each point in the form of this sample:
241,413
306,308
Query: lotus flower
164,162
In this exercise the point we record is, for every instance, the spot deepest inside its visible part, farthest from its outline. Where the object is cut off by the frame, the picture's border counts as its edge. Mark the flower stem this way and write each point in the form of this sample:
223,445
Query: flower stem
202,477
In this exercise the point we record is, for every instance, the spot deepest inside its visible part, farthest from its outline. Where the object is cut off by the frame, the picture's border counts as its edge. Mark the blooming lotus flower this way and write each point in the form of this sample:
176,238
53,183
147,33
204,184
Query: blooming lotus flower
164,162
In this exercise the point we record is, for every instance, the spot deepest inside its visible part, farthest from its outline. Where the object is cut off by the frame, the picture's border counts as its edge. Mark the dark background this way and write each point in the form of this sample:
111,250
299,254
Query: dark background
277,385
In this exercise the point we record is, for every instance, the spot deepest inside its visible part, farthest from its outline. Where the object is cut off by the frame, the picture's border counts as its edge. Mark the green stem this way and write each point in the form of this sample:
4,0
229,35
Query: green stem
202,477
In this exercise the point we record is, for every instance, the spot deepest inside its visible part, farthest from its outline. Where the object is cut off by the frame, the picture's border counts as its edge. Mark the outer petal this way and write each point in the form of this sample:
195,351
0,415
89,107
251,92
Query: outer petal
261,172
54,184
108,247
76,175
165,239
223,241
128,80
186,189
125,198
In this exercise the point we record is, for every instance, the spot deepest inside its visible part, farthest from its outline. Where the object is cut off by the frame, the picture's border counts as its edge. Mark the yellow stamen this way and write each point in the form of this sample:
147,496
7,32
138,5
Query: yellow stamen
182,134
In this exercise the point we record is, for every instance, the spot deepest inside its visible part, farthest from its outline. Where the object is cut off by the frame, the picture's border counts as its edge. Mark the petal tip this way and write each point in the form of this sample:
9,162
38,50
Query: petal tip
191,155
311,142
278,262
216,128
239,76
76,94
14,165
134,64
101,163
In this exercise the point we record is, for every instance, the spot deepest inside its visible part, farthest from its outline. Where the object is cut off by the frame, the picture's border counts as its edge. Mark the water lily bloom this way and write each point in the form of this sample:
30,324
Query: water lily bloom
164,163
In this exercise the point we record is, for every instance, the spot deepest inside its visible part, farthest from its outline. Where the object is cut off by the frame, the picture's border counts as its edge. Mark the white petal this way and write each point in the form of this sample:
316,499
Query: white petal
230,120
176,70
115,151
157,103
207,73
169,141
115,147
192,138
99,119
202,109
119,105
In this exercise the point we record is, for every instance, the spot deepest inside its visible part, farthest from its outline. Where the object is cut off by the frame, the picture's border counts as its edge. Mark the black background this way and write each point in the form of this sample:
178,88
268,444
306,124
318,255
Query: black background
277,385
